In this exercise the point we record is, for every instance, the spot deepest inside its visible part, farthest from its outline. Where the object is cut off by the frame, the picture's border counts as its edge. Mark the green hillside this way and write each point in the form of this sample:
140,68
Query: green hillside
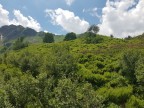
39,39
89,72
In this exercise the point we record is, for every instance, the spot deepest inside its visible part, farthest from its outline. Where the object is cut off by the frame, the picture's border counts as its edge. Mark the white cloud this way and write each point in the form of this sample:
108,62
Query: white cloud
67,20
4,19
26,21
45,31
92,11
122,18
19,20
69,2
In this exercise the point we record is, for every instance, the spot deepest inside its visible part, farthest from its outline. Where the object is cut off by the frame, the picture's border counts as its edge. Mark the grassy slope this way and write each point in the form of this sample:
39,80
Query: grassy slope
38,39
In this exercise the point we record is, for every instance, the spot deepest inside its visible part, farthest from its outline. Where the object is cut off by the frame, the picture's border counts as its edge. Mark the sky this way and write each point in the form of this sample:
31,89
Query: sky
120,18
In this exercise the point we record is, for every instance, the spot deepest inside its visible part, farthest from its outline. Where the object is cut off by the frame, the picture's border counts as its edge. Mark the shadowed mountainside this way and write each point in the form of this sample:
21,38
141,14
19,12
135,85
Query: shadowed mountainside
13,31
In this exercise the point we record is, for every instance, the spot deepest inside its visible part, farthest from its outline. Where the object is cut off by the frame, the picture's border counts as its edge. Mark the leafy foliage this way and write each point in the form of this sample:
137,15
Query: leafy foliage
93,29
92,38
101,73
70,36
48,38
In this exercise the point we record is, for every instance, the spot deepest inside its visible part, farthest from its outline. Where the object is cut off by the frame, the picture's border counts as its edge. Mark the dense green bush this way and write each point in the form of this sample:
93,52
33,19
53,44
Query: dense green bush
48,38
128,65
134,102
74,74
70,36
70,94
91,38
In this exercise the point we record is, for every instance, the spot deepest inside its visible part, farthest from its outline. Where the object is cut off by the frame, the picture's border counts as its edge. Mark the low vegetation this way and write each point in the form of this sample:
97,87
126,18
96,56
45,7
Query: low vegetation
92,71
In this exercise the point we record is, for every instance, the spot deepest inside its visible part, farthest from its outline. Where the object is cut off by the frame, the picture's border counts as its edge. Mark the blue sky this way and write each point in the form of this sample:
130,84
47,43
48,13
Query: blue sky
117,17
36,9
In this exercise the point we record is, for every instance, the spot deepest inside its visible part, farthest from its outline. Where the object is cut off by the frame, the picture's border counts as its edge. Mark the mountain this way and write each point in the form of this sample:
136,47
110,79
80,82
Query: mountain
12,31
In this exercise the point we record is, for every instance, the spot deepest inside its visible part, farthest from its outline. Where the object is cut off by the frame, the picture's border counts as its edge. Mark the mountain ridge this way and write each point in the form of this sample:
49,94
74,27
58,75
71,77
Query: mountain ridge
14,31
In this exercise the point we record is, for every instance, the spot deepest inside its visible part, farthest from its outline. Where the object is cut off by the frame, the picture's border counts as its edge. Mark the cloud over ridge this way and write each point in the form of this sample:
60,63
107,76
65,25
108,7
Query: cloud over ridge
19,19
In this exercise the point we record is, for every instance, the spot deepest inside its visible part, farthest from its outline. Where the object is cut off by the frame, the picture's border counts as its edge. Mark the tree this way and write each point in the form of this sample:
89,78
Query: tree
129,65
19,43
48,38
140,71
129,37
93,29
111,36
70,36
91,37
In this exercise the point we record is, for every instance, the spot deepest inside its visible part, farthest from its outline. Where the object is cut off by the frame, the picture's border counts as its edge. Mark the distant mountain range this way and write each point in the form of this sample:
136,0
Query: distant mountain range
10,32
